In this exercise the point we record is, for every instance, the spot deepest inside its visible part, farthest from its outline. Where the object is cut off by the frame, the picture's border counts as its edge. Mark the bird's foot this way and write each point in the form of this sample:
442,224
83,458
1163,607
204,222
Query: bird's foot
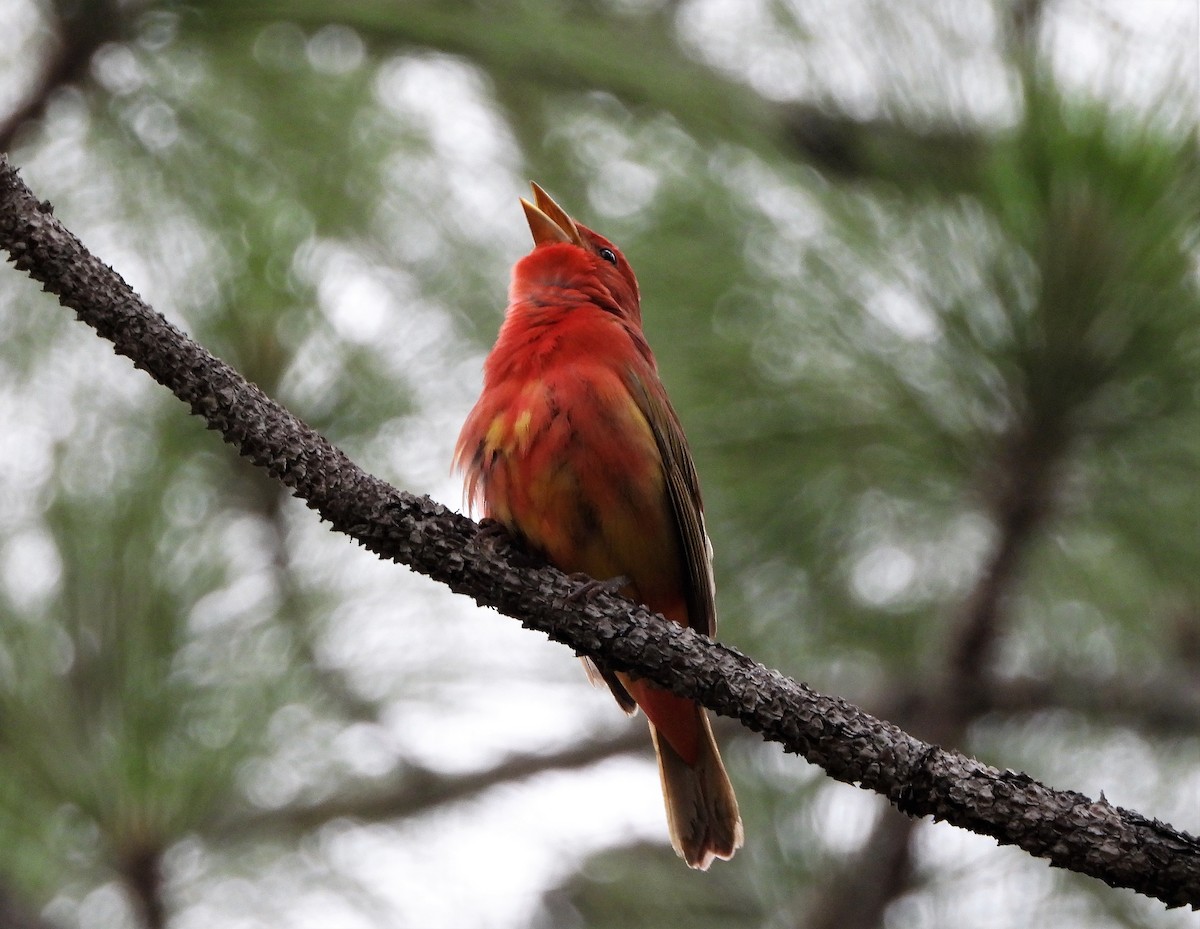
589,588
489,526
495,538
493,534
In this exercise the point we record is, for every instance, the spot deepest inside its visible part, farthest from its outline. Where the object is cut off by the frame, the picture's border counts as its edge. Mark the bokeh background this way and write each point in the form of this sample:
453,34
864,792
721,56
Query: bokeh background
922,281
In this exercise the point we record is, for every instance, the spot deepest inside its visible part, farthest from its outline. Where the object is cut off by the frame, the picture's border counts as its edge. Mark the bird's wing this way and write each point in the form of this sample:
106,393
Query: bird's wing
683,485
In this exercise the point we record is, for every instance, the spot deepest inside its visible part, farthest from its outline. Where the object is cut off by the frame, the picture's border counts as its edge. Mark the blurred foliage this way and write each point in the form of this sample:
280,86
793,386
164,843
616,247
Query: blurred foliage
911,272
628,887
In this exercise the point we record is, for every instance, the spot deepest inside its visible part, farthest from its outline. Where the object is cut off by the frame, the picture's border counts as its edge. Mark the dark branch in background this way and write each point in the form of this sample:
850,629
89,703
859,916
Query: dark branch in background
1025,19
1117,846
1019,497
14,916
79,29
858,894
1168,704
542,47
140,866
947,160
418,791
267,500
1020,493
1019,489
635,59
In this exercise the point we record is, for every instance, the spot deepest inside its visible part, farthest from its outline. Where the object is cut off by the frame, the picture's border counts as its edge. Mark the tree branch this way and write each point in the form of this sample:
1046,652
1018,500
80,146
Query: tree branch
417,791
637,62
949,160
942,709
1159,704
141,873
1118,846
81,28
860,893
15,915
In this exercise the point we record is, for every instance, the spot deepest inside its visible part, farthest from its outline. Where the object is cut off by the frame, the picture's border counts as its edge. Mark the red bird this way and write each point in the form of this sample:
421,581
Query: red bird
575,449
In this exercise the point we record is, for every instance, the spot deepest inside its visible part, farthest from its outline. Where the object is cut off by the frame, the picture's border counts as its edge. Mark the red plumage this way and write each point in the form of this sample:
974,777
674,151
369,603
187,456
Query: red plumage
574,447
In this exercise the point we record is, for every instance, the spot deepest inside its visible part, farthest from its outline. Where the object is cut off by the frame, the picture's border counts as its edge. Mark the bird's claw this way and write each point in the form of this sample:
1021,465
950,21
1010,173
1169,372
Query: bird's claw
495,538
589,588
491,534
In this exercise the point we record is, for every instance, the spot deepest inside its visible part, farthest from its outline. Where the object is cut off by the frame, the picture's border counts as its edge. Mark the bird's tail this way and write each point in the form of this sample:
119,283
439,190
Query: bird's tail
702,811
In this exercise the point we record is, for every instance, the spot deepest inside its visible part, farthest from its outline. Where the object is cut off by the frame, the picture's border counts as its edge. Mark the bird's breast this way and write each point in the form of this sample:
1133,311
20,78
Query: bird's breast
570,464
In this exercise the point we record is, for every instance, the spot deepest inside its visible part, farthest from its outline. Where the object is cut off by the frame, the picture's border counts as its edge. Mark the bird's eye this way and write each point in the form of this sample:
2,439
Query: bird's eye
608,255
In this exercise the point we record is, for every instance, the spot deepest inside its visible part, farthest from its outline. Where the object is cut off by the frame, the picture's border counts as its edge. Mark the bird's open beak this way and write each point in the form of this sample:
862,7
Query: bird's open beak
548,221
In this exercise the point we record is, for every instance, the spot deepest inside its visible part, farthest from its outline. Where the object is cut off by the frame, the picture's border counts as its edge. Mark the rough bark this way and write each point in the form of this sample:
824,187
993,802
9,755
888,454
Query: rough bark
1119,847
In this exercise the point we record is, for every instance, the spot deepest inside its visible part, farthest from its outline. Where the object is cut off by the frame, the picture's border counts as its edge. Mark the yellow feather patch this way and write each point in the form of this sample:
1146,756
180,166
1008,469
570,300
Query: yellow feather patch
521,428
496,434
506,434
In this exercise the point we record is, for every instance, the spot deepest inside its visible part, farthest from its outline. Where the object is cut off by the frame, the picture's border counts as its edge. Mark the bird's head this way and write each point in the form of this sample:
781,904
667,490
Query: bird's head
569,256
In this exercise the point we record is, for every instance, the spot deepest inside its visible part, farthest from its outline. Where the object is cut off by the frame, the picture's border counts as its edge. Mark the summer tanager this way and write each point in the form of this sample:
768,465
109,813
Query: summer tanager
575,449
